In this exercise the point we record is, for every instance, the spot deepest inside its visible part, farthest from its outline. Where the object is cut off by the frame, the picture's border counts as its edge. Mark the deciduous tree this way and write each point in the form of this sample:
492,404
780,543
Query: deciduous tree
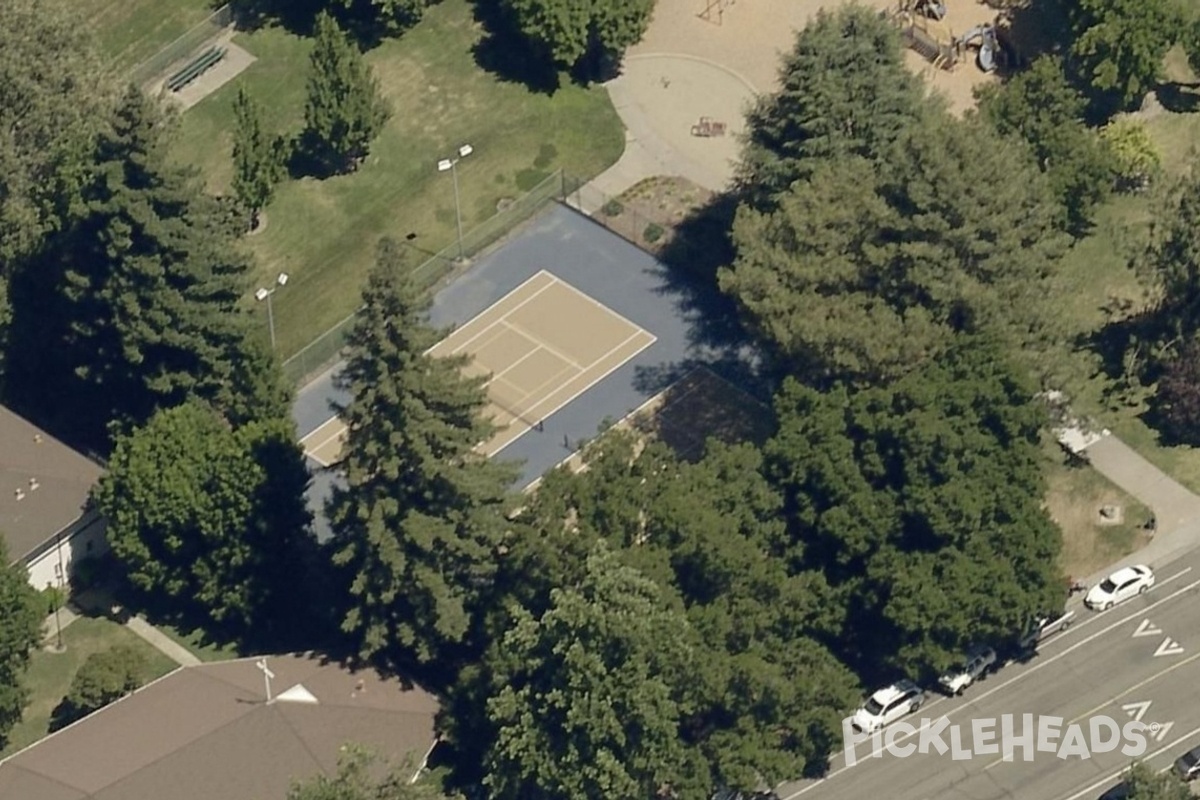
344,111
257,157
420,525
1135,156
103,678
1177,399
1146,783
1120,44
389,15
1170,262
210,521
20,632
571,30
591,693
358,778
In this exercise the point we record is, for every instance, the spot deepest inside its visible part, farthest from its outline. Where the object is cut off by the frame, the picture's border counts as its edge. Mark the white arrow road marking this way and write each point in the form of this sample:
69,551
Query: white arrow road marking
1137,710
1147,628
1169,647
1159,730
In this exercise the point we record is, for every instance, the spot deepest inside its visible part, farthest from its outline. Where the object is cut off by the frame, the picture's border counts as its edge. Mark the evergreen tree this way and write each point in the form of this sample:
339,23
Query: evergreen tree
865,270
211,522
590,695
344,110
257,158
1041,107
920,503
844,91
20,632
389,15
418,528
1170,262
150,309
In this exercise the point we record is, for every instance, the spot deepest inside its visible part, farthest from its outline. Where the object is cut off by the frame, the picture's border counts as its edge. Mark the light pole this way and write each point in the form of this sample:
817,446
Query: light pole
265,294
451,164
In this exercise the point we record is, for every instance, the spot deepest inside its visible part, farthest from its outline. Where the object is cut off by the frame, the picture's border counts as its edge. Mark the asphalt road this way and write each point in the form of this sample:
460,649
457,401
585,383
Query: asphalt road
1139,661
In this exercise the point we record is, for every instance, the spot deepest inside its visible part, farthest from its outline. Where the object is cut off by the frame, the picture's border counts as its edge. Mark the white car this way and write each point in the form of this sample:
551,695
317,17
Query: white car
1118,587
888,705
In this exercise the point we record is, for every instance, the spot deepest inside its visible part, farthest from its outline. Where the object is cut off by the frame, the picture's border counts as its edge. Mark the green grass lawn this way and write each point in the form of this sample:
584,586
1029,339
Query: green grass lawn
1096,275
323,233
131,31
199,644
50,673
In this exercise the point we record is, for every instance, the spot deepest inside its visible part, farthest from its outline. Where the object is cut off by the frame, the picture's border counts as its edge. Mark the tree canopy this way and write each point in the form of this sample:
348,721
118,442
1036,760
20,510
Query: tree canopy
357,778
591,693
1042,107
258,159
1120,44
1146,783
920,503
845,92
211,521
20,632
344,110
418,528
863,271
569,31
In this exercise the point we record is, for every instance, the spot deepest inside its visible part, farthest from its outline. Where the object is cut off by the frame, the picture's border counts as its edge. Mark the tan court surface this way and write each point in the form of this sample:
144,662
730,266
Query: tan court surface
540,346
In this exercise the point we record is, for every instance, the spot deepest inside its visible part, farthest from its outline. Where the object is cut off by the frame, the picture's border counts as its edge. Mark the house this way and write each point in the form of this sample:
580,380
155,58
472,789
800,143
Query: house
208,731
45,516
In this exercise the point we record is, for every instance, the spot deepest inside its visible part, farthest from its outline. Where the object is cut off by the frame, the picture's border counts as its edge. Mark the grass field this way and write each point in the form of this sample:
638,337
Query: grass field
323,233
1097,274
50,673
131,31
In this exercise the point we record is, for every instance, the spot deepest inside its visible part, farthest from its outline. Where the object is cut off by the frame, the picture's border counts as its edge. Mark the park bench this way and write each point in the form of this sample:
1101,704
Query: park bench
707,127
198,66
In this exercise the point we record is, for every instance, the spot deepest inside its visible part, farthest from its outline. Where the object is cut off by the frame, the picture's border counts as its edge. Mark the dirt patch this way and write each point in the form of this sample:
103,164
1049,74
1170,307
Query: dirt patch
1076,495
649,212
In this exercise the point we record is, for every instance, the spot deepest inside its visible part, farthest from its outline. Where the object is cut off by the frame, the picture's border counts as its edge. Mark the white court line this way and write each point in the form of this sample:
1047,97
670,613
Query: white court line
1042,663
502,318
310,450
544,414
594,301
537,341
1116,775
557,377
497,376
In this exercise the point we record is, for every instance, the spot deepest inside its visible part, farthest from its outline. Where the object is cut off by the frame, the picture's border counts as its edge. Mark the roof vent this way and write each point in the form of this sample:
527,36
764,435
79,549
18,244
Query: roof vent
37,438
20,493
33,484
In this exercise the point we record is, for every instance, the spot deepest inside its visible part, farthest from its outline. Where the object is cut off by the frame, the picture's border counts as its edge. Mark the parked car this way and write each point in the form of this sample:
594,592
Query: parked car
888,705
734,794
974,665
1187,766
1043,626
1119,792
1119,587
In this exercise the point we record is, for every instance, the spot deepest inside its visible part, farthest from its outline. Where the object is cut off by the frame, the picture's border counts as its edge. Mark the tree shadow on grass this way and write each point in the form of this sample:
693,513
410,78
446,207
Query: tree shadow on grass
506,53
1181,98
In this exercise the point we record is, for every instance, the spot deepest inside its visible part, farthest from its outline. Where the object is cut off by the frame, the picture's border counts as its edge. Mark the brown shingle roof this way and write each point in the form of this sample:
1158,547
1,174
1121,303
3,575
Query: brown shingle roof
64,478
205,732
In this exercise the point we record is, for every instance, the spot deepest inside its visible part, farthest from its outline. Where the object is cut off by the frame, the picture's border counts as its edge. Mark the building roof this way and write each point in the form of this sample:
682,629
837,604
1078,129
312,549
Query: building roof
44,485
207,732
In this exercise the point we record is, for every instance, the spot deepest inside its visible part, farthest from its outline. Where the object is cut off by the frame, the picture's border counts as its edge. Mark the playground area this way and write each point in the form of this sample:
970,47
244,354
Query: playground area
685,87
539,347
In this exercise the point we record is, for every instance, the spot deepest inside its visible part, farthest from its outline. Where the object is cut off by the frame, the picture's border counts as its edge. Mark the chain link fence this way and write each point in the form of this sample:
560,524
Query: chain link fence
640,229
177,53
324,351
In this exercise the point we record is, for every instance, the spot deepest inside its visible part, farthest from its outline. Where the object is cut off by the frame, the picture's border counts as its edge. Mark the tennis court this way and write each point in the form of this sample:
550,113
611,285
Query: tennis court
539,347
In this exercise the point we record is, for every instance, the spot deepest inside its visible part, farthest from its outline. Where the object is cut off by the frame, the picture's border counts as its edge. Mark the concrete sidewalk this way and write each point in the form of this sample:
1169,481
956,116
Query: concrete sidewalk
99,604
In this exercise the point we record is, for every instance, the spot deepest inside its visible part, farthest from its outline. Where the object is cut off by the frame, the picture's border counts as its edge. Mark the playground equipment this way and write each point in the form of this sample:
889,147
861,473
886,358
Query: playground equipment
989,46
934,9
715,5
927,35
706,127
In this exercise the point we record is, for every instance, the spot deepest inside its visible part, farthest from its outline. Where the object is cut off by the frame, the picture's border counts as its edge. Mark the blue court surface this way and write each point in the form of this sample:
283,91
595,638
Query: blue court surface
606,268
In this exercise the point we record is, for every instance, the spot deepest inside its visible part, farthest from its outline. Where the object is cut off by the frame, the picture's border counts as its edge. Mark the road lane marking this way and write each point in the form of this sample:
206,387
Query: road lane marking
1146,629
1162,730
1169,647
1115,775
1137,686
1041,663
1137,710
